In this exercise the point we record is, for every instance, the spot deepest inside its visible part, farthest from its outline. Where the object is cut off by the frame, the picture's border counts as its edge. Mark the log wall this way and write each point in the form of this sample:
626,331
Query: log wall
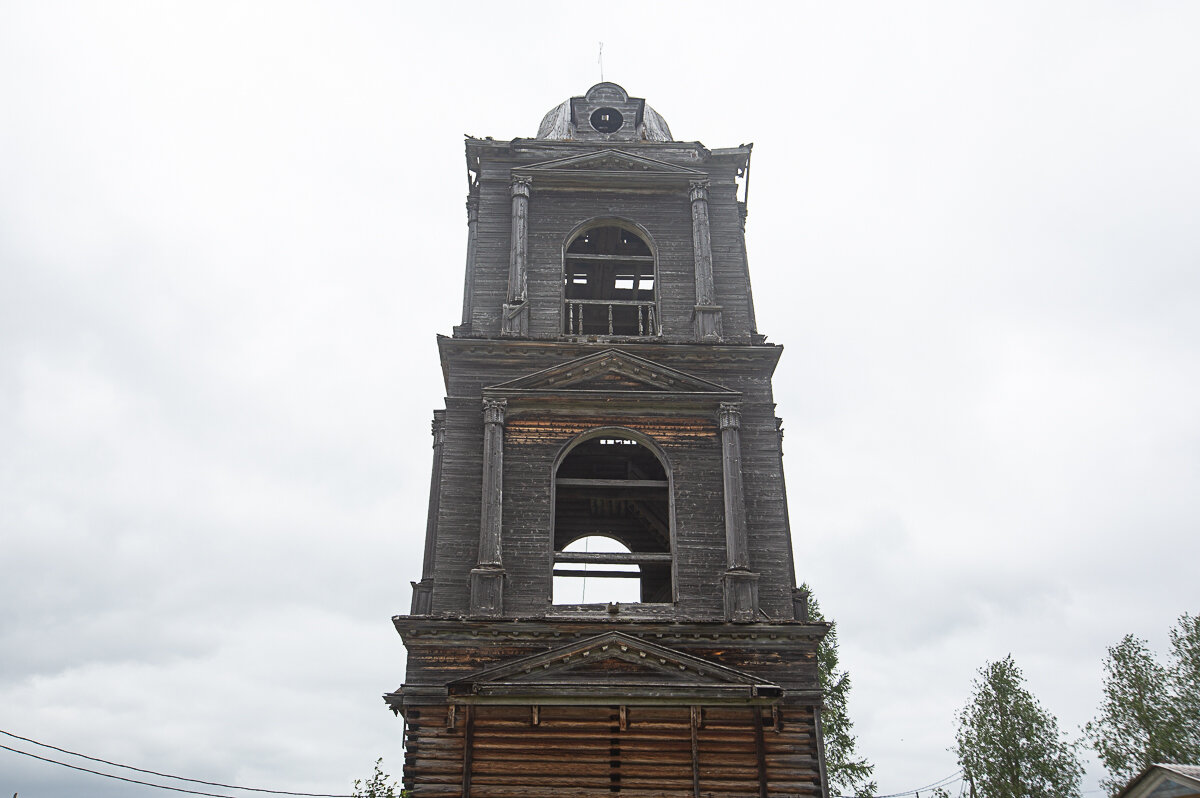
482,751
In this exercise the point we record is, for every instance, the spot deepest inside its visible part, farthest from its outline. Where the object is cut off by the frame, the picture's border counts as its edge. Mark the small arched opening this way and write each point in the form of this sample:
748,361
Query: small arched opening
612,523
597,582
608,282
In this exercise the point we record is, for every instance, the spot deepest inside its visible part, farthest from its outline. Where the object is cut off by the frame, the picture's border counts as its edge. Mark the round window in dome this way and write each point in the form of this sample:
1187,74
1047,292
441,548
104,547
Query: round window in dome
607,120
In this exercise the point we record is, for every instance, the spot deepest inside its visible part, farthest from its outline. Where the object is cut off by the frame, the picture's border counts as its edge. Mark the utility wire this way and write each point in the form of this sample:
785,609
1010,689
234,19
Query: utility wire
939,783
942,782
152,773
112,776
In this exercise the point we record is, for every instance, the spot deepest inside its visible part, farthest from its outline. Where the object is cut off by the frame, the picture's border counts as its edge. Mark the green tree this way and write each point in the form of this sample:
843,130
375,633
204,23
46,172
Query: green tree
847,771
1150,710
1185,682
1009,744
379,785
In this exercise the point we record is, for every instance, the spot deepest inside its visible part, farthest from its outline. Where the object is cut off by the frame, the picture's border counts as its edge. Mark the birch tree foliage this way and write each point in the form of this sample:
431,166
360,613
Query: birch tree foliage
380,785
1009,744
1150,712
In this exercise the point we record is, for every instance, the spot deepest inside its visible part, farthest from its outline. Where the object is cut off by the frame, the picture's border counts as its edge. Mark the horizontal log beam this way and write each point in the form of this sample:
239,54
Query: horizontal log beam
570,482
600,574
584,256
612,558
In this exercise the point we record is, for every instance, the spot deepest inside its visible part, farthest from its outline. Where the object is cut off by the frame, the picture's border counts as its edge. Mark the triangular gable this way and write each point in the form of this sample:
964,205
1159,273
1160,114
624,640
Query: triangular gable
1164,781
612,664
610,371
611,161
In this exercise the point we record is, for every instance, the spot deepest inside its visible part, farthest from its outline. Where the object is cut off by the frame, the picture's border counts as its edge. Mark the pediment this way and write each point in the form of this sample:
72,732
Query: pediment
607,372
611,161
1164,781
608,664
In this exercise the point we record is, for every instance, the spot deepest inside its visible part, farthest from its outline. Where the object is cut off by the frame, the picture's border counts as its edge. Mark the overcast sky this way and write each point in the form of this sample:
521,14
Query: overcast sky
229,233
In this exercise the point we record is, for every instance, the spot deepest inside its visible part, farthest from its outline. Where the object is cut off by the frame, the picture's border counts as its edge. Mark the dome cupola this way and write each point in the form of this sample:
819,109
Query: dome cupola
605,113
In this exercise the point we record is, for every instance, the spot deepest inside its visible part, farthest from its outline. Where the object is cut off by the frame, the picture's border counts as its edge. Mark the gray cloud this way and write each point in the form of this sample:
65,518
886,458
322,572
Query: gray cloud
228,235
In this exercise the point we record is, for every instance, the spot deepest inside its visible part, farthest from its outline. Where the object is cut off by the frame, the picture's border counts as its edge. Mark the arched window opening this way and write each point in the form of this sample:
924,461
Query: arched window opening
612,528
597,582
608,284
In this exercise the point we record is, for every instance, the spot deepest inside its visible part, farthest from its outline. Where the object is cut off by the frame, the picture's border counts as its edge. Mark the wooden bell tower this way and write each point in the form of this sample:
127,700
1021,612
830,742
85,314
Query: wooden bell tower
607,603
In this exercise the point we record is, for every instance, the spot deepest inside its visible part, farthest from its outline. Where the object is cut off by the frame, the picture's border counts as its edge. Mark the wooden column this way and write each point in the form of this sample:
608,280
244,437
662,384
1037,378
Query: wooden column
820,750
422,600
707,316
740,585
468,750
487,578
472,238
800,604
516,309
760,751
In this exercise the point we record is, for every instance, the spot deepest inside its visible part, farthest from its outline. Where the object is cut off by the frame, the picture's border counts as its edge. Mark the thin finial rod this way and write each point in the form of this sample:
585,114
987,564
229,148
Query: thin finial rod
600,61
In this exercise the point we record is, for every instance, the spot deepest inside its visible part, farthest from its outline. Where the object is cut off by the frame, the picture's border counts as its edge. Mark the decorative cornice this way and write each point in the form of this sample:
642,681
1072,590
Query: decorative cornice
643,654
760,358
459,630
580,375
609,160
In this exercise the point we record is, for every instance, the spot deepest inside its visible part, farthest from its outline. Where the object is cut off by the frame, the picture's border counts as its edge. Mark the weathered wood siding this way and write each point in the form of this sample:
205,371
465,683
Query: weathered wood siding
666,218
534,435
555,213
441,651
467,736
586,751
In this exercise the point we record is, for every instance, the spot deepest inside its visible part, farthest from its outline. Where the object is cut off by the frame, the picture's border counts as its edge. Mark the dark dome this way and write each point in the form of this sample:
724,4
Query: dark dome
606,113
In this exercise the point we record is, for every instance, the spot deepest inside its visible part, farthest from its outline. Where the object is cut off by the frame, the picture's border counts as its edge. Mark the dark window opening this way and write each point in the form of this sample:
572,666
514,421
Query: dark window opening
608,284
612,533
607,120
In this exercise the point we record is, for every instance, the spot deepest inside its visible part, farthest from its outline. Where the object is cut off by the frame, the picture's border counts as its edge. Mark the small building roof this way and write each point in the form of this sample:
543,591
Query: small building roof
1164,781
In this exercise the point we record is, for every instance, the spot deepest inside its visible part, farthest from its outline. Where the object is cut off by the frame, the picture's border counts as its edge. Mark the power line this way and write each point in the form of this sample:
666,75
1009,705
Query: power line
112,776
939,783
942,782
152,773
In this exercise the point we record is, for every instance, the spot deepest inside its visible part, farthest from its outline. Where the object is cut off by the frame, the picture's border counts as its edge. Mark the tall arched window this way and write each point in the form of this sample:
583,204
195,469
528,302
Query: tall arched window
608,283
612,487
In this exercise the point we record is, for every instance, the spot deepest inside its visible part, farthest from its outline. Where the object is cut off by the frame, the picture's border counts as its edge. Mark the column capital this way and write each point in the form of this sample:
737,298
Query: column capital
439,428
730,415
699,190
521,185
800,604
493,411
